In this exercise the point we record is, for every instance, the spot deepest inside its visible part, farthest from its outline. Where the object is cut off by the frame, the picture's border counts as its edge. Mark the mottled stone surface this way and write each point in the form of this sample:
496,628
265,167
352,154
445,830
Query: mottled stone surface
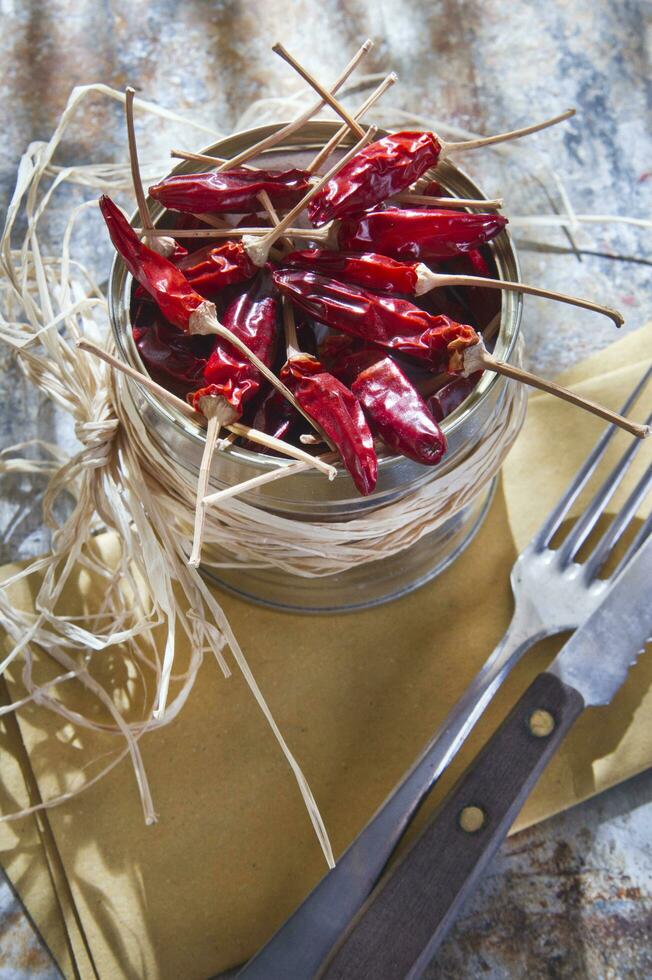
22,953
570,898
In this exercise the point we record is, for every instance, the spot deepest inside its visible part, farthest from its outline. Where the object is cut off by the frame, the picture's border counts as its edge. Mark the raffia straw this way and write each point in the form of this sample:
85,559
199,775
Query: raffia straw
258,249
292,127
559,220
337,138
122,497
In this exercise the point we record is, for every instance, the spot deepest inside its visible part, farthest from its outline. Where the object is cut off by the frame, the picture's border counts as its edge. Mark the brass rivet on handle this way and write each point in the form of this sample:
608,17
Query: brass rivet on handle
541,723
471,819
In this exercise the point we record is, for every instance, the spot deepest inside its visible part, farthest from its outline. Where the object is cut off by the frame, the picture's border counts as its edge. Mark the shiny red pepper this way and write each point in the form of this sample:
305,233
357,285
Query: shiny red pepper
367,269
213,267
418,233
175,297
275,416
384,320
447,399
338,412
253,318
378,171
231,191
379,272
392,404
165,350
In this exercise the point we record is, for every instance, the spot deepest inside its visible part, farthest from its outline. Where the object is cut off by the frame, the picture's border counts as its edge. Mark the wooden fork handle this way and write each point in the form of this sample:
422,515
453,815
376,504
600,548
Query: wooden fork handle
399,928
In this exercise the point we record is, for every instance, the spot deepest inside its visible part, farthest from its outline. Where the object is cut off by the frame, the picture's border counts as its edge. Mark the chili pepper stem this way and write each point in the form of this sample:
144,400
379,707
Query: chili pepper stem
258,248
478,358
292,127
321,235
326,96
513,134
290,329
258,481
237,428
213,221
407,197
163,245
264,199
427,280
492,327
205,158
218,412
337,138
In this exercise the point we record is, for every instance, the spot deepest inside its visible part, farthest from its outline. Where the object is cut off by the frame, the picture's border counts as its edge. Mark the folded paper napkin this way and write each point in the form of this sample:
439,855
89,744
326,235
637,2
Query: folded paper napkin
356,696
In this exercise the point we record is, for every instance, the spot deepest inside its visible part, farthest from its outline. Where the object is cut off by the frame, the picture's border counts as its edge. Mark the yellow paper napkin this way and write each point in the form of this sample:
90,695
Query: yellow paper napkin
356,696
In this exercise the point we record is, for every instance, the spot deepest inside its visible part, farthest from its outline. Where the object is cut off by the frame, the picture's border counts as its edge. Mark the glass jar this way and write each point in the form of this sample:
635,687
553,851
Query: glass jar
308,496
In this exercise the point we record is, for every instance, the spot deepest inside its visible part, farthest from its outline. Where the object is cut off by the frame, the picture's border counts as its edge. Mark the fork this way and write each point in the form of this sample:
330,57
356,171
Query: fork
552,593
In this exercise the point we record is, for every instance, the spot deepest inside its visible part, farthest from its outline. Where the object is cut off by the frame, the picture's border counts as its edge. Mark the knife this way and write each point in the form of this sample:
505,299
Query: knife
398,929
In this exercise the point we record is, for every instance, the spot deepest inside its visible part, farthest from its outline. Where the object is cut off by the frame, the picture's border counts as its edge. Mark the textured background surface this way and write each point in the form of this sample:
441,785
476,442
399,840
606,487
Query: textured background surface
571,898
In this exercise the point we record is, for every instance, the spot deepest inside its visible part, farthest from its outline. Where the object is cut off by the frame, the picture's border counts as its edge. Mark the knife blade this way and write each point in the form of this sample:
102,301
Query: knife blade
399,928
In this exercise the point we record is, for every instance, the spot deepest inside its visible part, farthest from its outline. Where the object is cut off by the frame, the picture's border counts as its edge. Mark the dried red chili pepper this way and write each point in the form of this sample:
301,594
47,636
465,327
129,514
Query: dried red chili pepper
338,412
165,350
387,321
444,402
174,295
432,188
213,267
378,272
392,404
378,171
418,233
391,164
344,306
253,219
367,269
231,191
275,416
253,318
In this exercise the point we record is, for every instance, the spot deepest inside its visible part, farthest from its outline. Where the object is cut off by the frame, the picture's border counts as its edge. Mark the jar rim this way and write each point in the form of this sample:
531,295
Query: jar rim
312,136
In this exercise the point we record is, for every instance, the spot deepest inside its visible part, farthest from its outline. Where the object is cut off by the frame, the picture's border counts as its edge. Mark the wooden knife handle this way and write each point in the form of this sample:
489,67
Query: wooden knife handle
398,929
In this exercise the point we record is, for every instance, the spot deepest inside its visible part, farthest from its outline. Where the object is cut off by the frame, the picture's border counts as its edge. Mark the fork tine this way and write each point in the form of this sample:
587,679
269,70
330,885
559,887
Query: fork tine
619,524
587,521
642,535
544,535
